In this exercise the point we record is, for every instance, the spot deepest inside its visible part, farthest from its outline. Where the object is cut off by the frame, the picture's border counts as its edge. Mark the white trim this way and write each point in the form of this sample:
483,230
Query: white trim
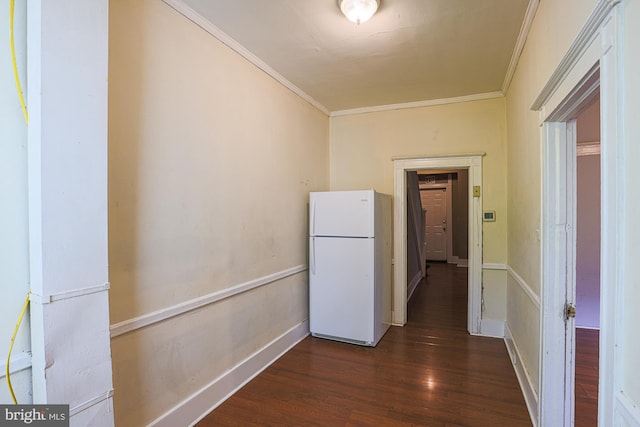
205,400
51,298
612,221
588,149
474,164
446,159
626,409
528,391
493,266
592,65
19,362
557,108
462,263
418,104
413,284
580,45
182,8
91,402
491,328
532,8
130,325
557,255
525,287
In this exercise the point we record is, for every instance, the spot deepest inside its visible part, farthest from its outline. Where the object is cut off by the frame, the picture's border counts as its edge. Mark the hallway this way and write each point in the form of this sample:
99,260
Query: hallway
428,373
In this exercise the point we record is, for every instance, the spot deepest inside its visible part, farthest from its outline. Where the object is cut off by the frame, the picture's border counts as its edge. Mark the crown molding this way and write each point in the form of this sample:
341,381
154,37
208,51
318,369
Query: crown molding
224,38
519,47
418,104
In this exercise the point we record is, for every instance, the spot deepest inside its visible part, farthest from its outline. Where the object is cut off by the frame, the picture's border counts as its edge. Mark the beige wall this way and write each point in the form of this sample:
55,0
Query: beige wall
588,241
554,28
588,124
210,166
631,113
363,145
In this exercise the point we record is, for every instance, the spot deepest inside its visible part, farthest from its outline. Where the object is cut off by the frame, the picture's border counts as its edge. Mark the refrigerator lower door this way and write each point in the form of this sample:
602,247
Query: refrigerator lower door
341,289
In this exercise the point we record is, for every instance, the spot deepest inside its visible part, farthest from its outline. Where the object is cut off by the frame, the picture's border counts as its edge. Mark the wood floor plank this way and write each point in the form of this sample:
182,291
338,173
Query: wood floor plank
586,377
430,372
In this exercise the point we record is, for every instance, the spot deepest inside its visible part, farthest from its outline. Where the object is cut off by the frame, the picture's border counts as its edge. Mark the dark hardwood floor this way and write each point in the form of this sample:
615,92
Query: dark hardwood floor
427,373
586,379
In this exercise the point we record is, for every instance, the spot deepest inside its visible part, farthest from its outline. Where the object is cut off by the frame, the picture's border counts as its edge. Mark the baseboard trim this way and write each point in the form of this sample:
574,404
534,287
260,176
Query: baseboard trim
529,393
626,409
463,263
491,328
161,315
591,328
413,284
588,149
205,400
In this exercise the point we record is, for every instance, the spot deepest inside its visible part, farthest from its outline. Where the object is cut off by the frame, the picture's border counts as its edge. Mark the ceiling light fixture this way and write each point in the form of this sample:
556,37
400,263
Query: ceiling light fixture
358,11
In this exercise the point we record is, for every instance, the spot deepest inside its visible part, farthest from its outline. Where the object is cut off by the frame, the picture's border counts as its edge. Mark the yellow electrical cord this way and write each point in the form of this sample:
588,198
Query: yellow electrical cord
15,63
13,339
26,119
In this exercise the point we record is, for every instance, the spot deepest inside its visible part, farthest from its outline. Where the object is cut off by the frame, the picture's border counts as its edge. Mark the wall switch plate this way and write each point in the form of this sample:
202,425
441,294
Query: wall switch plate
476,191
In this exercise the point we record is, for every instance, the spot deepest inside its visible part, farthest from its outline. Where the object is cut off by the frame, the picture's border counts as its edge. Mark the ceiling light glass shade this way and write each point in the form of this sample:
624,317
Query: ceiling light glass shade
358,10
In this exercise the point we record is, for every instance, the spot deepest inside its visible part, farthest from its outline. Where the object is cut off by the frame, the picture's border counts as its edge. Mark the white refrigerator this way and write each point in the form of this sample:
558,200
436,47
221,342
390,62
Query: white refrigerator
350,265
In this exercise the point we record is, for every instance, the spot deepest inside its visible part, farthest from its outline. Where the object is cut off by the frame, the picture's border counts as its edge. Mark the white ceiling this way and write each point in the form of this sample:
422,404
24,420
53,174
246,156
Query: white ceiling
410,51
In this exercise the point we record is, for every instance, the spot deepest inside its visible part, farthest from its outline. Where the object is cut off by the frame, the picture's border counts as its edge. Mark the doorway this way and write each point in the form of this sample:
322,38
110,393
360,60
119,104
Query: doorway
589,70
473,164
448,222
587,265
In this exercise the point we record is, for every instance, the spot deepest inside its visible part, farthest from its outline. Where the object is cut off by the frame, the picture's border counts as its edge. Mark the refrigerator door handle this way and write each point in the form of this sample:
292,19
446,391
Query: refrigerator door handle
312,255
312,220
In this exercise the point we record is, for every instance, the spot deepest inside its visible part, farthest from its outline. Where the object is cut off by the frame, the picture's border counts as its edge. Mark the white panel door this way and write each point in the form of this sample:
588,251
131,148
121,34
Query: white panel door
342,213
341,287
435,227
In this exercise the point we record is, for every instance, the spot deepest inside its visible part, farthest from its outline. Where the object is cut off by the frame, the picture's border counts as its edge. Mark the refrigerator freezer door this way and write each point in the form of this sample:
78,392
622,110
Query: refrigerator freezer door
342,213
341,289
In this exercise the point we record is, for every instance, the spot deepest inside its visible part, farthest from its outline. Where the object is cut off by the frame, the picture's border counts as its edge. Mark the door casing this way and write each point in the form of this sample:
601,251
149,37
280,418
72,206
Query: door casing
590,66
472,162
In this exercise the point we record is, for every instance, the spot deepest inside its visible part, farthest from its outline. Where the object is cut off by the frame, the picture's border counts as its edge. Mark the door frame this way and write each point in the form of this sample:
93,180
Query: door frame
473,163
591,65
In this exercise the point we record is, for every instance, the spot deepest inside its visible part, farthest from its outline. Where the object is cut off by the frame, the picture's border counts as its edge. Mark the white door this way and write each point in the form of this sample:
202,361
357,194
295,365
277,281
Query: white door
341,288
434,201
